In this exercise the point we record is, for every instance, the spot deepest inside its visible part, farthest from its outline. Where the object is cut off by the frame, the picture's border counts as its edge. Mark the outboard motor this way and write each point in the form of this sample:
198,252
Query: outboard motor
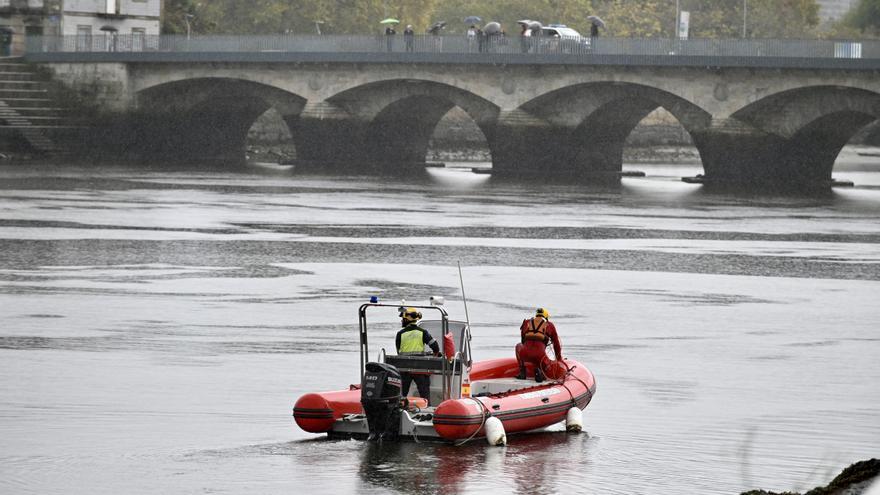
380,397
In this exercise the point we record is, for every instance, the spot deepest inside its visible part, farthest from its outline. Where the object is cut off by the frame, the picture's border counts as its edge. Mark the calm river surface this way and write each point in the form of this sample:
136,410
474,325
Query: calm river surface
157,326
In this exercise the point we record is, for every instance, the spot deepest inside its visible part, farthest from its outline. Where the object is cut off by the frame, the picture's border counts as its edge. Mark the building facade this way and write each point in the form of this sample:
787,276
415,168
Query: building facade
833,10
91,21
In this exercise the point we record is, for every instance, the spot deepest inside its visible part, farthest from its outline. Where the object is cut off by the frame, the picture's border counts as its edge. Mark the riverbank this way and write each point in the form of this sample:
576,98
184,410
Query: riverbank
860,478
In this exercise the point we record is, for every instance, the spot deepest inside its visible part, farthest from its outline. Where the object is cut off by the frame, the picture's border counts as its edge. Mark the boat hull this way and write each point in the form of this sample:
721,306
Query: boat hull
529,408
318,412
521,405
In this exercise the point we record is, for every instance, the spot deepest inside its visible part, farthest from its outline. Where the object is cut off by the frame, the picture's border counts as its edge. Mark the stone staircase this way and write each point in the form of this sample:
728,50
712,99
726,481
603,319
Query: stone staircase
28,110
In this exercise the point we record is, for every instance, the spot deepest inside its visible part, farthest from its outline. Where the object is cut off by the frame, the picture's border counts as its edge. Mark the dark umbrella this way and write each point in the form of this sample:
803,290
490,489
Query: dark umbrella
109,29
472,19
492,28
596,21
435,29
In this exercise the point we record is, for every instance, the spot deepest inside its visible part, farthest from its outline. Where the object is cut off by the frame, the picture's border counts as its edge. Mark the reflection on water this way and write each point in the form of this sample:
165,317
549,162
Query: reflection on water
157,327
533,463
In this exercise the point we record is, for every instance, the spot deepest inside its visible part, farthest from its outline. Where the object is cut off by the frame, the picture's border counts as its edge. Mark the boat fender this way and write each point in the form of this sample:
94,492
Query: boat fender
495,431
574,420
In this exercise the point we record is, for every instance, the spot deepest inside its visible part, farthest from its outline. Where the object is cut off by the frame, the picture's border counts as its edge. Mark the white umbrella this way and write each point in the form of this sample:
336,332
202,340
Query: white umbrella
535,27
492,28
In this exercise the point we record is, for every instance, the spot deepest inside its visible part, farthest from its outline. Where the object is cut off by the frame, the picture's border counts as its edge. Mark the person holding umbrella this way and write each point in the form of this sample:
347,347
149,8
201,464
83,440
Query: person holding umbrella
492,31
472,30
535,33
389,32
595,24
435,31
523,42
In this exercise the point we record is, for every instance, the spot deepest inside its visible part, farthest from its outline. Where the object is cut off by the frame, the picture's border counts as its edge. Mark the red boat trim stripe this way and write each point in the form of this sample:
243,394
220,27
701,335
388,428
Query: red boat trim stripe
457,422
448,419
307,413
531,412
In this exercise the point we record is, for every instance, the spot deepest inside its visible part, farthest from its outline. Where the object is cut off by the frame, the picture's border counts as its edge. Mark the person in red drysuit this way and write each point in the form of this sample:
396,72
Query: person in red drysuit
537,333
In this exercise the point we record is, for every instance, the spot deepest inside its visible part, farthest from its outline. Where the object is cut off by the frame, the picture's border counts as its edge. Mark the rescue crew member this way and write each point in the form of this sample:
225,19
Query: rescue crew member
411,340
536,334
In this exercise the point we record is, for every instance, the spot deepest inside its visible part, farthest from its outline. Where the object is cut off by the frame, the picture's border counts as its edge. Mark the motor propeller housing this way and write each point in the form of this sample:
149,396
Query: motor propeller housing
380,397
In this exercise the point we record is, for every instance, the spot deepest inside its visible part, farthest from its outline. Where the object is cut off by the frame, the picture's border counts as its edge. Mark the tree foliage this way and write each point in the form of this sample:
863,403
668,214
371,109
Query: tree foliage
865,17
624,18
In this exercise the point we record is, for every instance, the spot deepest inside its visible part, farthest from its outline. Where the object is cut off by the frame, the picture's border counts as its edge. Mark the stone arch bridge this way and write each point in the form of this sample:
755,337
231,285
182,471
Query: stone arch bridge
751,124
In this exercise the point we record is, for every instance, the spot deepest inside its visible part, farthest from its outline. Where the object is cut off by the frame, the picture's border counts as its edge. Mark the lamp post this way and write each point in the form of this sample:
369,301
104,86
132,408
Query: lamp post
677,19
745,16
187,18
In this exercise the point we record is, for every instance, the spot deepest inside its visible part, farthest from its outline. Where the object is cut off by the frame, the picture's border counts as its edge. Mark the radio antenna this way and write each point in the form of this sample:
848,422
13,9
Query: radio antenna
463,297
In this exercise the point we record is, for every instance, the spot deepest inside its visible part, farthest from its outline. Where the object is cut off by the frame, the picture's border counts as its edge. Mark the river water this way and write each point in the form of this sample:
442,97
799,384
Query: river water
157,326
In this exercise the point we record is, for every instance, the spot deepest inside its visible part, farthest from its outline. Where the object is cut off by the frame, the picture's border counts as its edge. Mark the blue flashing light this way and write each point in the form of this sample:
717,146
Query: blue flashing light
374,299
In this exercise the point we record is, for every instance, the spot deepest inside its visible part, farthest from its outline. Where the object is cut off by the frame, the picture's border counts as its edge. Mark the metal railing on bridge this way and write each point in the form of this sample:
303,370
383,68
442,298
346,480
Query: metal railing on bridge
459,49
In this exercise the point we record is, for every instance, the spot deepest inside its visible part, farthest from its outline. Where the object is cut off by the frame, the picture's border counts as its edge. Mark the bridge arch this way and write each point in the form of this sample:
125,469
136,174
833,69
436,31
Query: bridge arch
803,130
396,118
580,130
787,113
208,118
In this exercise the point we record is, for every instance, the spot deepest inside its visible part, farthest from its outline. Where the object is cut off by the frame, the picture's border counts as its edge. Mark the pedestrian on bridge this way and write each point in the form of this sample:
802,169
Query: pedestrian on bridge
408,37
389,37
524,36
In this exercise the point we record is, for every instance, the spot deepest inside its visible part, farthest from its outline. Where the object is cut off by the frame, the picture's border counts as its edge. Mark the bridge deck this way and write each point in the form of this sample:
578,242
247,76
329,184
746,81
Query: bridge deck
812,54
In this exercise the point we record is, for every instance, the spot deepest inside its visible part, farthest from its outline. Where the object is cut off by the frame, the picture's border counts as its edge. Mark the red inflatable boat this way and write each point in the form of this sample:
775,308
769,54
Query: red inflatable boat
468,399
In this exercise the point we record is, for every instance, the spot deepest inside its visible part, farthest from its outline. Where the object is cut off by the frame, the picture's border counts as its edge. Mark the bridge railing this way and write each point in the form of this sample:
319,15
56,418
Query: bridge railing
429,48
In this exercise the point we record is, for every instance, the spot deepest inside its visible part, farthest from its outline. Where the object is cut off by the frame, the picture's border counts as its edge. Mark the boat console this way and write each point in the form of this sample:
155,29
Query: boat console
428,365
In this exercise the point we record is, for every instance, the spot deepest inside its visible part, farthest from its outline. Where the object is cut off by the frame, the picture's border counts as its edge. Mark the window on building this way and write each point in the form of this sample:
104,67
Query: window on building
83,38
111,7
138,39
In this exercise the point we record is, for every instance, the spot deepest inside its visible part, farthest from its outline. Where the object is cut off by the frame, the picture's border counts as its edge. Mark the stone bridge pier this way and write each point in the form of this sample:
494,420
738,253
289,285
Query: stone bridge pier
752,126
790,138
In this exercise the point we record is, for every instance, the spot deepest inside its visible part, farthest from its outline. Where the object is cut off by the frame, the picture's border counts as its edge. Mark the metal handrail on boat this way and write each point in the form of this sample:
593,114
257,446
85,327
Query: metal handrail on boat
364,344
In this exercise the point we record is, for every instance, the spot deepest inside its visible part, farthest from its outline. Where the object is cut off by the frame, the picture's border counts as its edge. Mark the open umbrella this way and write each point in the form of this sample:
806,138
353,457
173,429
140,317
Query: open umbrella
492,28
472,19
112,31
435,29
596,21
524,22
390,20
535,27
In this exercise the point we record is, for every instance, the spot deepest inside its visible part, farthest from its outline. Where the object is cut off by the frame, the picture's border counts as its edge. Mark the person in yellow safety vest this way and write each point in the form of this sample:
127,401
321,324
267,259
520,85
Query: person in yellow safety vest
412,339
